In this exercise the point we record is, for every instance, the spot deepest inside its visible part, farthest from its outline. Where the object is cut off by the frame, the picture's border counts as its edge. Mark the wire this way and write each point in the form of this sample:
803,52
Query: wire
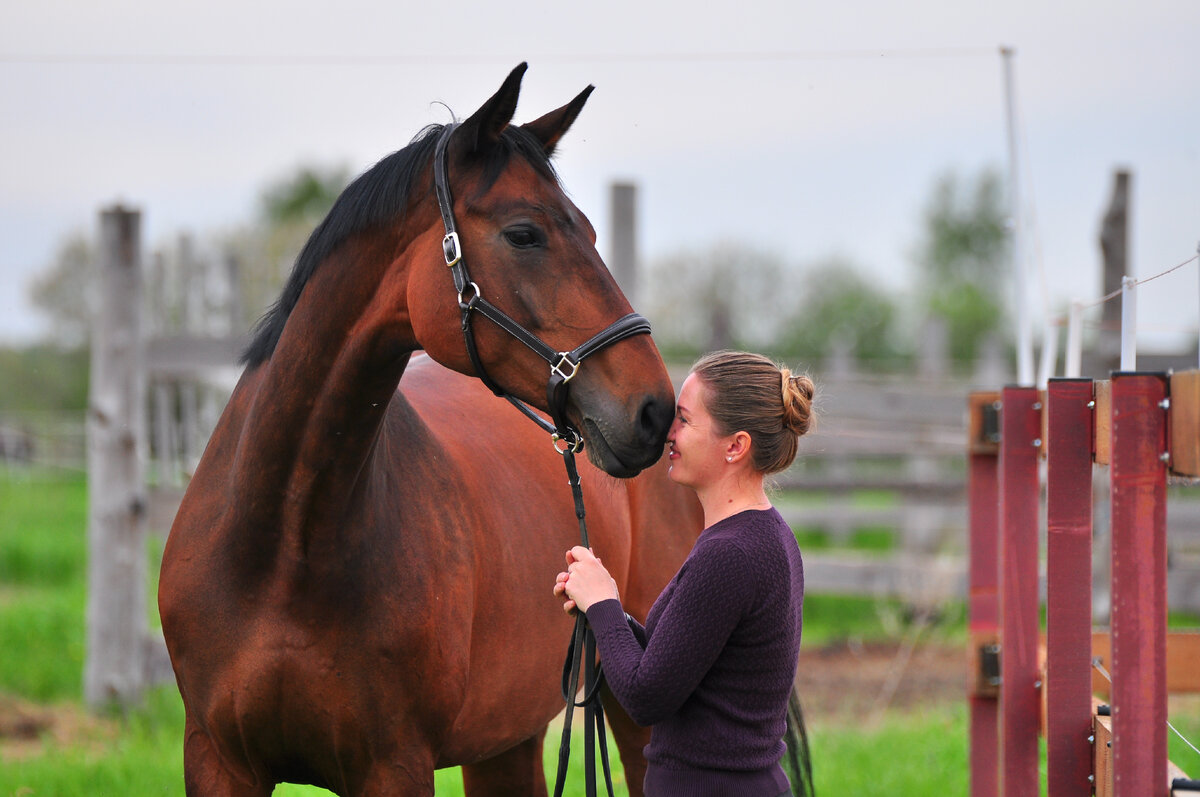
1109,296
293,59
1100,667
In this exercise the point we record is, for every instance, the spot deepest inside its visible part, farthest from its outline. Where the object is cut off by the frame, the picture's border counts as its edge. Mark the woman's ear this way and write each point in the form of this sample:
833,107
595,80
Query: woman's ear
738,447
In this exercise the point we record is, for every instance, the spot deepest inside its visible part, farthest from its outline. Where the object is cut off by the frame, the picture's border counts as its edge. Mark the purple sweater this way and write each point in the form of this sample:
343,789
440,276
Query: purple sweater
714,665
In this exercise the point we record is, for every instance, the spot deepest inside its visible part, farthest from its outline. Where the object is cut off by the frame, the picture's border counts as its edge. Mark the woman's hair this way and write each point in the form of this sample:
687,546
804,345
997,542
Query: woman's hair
746,392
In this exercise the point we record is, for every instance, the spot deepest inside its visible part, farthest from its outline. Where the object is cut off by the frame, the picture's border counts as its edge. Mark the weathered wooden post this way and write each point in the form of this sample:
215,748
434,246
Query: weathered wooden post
114,669
622,261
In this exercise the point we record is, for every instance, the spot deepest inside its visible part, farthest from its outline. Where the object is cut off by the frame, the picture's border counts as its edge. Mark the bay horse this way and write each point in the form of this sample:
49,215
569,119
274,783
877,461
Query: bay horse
356,588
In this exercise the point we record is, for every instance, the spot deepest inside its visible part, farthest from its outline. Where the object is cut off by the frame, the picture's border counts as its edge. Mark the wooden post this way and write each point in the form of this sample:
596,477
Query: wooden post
1139,583
1114,246
1069,586
983,603
622,260
1020,430
116,606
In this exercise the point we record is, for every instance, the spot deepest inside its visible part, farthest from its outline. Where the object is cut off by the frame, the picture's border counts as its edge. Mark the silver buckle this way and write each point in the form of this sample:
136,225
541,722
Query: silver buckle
565,357
569,446
451,249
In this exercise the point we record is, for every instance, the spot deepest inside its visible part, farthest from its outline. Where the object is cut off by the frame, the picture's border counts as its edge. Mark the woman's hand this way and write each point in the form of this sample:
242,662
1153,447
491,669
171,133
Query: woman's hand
585,581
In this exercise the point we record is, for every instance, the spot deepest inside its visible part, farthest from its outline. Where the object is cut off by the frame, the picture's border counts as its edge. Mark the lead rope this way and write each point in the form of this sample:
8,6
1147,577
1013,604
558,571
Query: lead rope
583,645
563,365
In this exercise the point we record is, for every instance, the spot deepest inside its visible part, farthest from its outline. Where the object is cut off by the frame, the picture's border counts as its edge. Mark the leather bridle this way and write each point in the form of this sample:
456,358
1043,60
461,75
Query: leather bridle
563,364
566,440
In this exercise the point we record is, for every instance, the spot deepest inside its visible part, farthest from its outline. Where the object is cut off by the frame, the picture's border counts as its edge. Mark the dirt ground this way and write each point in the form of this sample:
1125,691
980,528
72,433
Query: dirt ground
862,680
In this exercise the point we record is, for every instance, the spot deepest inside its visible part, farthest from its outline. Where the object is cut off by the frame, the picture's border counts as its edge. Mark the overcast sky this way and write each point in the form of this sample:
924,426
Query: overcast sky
809,129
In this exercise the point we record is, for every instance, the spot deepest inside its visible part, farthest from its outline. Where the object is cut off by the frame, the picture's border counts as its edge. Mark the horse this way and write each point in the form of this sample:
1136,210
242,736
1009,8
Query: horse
356,588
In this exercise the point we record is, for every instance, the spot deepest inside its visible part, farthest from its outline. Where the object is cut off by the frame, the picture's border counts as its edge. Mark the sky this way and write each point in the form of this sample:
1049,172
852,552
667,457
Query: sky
812,130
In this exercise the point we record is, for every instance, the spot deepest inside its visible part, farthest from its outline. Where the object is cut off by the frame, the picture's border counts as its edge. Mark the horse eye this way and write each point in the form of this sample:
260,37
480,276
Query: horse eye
521,237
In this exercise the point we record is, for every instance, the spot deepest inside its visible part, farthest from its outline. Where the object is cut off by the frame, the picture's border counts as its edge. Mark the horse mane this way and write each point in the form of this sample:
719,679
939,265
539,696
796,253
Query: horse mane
378,195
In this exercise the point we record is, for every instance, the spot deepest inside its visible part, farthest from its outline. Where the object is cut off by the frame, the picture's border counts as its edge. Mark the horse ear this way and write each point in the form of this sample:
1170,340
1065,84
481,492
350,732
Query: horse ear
484,127
551,127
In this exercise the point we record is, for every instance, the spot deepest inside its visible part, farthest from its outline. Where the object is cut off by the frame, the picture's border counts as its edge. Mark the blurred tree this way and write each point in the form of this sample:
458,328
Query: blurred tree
289,207
730,295
61,291
961,260
840,309
305,195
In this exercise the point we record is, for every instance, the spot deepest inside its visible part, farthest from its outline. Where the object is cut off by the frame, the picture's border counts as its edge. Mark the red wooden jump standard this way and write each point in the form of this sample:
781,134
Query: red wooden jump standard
1070,425
984,602
1139,583
1020,424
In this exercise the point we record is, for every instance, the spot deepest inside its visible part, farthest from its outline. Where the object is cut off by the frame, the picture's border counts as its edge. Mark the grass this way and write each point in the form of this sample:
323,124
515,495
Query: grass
42,598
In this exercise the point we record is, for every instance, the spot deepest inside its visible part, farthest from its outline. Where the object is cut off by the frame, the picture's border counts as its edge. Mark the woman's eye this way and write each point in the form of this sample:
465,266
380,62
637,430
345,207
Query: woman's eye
521,237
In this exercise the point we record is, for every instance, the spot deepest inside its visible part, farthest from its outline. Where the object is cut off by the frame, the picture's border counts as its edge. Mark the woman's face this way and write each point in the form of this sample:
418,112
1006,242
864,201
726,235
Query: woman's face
695,449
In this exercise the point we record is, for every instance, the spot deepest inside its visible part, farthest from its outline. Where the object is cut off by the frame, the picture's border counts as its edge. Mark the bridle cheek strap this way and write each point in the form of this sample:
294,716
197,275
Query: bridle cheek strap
563,364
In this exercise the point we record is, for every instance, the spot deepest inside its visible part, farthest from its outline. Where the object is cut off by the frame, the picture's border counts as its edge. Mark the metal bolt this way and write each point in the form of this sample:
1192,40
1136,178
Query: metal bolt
1091,405
1037,442
1037,405
1165,456
1091,738
1091,778
1165,403
1037,684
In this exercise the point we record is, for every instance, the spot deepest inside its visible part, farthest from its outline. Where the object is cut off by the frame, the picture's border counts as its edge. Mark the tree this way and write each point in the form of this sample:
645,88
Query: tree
841,308
961,260
289,207
728,296
61,291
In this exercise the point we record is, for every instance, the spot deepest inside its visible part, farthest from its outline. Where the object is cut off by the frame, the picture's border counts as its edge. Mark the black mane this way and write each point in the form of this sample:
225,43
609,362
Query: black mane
380,194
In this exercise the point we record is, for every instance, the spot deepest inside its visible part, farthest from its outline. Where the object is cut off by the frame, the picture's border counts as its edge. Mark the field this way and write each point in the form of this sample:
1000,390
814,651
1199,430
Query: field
883,690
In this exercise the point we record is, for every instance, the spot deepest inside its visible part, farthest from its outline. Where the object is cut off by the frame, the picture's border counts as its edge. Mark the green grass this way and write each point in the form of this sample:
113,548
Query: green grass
42,599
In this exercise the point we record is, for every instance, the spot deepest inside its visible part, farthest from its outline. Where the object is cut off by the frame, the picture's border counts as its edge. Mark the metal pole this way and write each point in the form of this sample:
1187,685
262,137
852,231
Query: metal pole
1024,332
1049,355
1069,409
1021,426
1128,324
1074,340
1139,583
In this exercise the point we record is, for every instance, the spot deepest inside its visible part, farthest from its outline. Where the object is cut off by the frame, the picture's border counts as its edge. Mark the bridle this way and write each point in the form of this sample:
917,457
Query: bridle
567,440
563,364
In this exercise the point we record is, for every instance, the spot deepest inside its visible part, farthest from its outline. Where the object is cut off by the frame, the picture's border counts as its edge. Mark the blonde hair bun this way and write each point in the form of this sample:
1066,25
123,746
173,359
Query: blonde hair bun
798,393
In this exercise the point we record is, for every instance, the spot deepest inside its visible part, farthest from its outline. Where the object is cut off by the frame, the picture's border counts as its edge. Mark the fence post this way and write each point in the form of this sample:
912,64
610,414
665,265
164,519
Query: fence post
1139,583
1021,426
1069,409
116,605
983,593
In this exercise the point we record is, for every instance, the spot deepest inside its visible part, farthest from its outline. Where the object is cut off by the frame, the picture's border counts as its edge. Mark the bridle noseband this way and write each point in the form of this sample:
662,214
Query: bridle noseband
567,441
563,364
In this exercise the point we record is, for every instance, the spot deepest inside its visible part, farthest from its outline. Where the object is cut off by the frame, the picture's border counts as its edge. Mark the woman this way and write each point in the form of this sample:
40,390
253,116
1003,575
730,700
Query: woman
713,668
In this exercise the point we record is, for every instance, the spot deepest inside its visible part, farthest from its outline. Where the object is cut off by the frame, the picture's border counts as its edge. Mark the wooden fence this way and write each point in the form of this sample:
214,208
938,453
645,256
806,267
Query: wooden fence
887,455
1141,426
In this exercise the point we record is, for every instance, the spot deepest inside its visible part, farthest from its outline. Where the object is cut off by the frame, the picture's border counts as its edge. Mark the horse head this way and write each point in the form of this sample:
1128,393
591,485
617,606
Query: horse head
532,253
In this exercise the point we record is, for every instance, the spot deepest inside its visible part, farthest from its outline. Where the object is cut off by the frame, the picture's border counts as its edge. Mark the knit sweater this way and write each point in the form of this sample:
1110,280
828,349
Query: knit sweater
712,669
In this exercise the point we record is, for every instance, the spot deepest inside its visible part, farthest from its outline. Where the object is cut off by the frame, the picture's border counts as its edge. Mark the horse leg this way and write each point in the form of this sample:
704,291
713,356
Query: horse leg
206,775
516,771
630,738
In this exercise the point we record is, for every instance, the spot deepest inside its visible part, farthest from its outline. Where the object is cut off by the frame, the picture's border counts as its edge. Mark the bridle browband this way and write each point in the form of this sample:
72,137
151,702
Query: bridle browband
563,364
563,367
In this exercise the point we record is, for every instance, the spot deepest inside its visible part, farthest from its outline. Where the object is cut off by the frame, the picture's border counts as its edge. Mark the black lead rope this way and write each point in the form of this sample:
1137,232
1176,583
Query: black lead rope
563,367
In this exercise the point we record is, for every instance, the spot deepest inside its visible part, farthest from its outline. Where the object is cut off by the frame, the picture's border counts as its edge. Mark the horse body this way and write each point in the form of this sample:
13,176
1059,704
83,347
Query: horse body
354,591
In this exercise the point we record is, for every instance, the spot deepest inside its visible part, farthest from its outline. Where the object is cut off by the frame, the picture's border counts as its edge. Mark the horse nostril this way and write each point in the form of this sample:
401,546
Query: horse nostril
654,421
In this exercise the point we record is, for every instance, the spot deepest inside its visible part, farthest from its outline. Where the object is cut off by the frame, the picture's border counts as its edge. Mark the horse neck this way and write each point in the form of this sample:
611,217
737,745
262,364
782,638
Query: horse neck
322,396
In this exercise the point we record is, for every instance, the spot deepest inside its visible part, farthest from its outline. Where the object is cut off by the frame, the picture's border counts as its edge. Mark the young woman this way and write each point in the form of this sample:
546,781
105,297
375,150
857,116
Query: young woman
712,669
